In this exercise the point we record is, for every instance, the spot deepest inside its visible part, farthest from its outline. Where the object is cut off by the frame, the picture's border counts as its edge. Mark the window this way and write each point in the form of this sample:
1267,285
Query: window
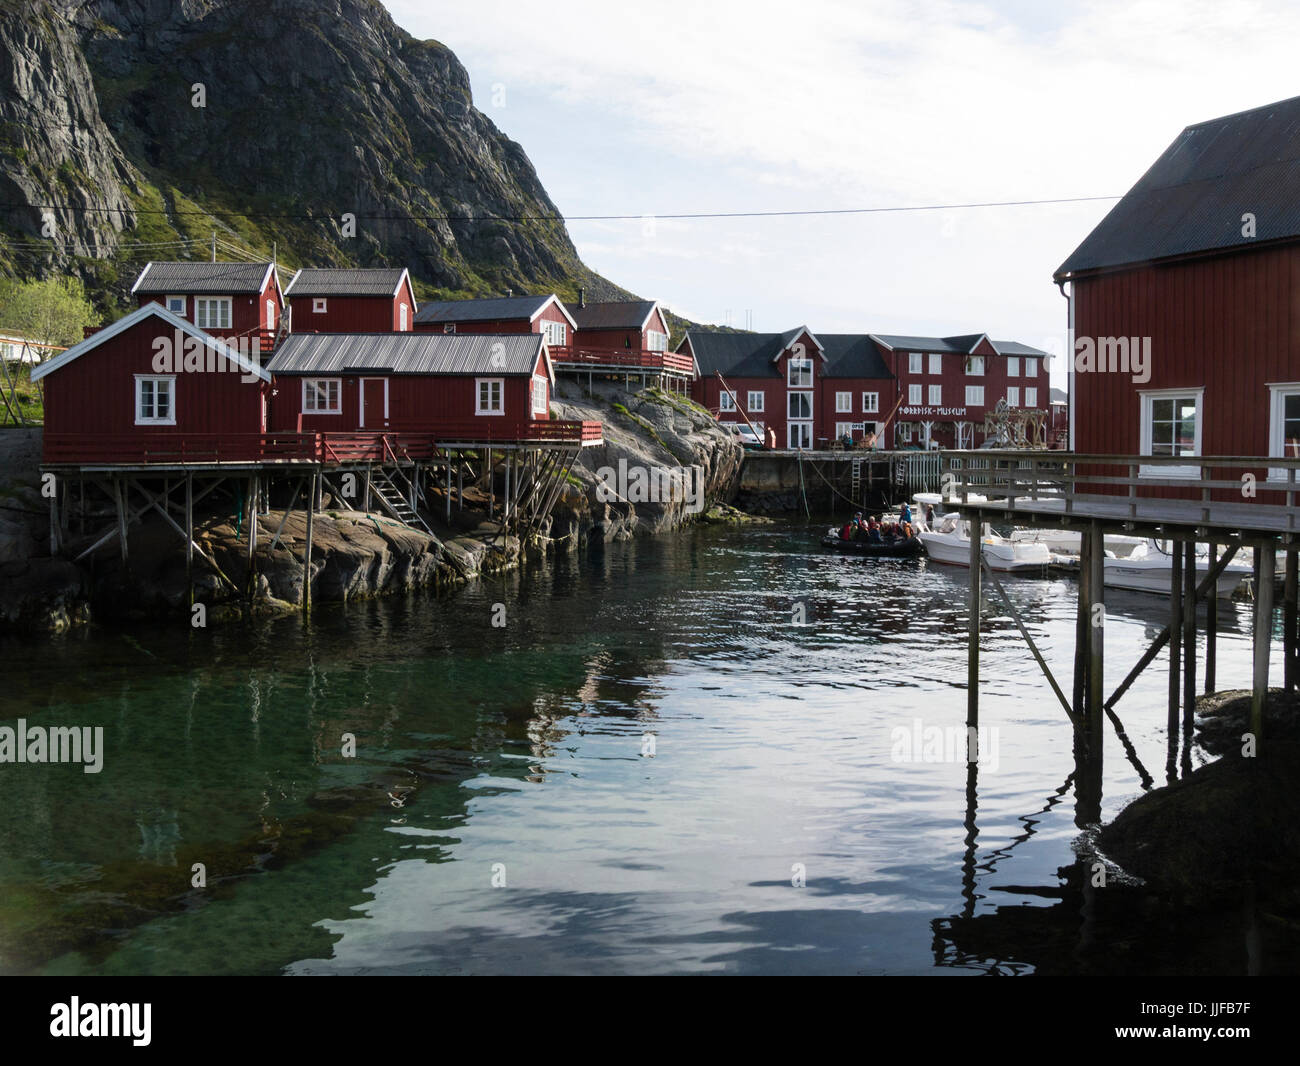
844,403
1284,426
1031,367
914,395
449,327
320,396
800,405
844,429
490,399
914,363
870,403
402,310
154,398
798,435
319,305
755,401
658,342
1013,366
726,402
556,332
905,432
975,366
1013,396
539,396
936,363
1031,397
1171,425
936,395
176,305
974,395
212,312
800,374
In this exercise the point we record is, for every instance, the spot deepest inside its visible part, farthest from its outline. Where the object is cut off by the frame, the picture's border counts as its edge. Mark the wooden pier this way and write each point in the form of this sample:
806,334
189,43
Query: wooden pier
1223,502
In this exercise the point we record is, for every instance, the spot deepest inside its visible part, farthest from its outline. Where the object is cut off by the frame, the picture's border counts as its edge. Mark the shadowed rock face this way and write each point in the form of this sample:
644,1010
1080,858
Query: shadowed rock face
313,108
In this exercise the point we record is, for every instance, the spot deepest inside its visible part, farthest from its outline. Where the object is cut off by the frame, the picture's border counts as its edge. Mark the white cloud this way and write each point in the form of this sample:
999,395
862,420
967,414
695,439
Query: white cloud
733,106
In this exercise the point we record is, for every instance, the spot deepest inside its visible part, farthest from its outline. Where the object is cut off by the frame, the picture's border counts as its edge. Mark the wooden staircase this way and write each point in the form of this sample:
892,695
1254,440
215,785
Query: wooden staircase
394,491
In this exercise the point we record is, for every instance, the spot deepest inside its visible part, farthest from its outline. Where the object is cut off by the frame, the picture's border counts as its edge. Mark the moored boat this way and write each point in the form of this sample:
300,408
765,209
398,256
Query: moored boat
887,548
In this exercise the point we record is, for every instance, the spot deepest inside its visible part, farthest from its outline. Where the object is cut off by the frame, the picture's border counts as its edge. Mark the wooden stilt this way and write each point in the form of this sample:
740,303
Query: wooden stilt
448,488
54,521
1263,635
460,483
1211,598
1189,635
1175,638
973,630
253,489
119,498
1289,679
189,536
306,557
1096,639
1082,636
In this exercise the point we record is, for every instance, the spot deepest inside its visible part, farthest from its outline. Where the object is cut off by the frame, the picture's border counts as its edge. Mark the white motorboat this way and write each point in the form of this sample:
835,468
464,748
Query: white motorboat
1069,541
1148,570
949,542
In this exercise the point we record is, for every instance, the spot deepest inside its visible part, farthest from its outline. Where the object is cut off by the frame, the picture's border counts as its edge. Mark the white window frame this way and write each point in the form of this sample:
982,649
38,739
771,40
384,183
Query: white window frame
154,420
915,362
804,429
914,396
1146,399
1277,395
557,333
1031,366
841,428
807,397
974,395
798,364
1031,396
905,432
540,406
488,411
319,305
204,304
936,363
936,396
361,402
183,311
1013,366
870,403
309,389
757,401
844,403
726,402
402,320
1013,395
975,366
656,341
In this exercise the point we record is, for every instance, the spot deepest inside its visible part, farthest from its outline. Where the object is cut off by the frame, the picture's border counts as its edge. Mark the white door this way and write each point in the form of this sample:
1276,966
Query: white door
799,435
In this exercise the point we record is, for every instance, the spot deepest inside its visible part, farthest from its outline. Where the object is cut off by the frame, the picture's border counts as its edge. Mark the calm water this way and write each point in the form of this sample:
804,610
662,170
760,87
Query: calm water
522,746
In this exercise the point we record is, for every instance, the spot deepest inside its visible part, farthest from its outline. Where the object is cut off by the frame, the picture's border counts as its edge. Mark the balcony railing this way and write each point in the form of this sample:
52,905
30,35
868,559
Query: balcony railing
567,355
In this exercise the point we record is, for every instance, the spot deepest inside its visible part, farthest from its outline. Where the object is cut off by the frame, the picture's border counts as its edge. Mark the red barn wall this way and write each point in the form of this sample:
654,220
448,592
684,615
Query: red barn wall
346,314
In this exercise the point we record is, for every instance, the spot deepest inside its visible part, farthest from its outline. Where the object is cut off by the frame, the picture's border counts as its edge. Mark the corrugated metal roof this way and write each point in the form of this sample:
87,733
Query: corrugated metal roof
959,345
219,279
495,354
852,355
1194,196
346,281
624,314
501,308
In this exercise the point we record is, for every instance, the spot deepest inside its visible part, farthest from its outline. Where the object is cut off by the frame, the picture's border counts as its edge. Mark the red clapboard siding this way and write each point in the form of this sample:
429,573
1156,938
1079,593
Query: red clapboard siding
349,314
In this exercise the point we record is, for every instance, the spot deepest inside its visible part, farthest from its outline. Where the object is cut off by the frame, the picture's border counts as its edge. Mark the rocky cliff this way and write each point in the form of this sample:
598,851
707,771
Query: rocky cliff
265,121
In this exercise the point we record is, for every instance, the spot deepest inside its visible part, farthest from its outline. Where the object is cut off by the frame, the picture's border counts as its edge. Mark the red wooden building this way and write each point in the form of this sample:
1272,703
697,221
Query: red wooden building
810,389
149,385
504,314
1183,311
625,325
223,299
344,300
473,386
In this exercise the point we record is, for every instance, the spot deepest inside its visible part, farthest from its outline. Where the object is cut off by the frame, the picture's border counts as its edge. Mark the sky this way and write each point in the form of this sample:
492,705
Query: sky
702,106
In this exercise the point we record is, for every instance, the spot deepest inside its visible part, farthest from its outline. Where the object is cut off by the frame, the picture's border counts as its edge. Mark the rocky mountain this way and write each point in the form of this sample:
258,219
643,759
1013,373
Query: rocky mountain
128,124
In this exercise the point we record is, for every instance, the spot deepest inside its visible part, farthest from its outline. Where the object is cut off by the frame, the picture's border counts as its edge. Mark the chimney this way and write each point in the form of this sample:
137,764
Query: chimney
582,297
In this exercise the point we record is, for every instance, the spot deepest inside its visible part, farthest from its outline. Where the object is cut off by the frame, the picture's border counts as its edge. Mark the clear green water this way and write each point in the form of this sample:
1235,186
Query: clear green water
522,746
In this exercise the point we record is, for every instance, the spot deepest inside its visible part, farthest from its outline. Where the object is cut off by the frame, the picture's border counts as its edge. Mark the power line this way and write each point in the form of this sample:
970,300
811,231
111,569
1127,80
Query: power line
404,217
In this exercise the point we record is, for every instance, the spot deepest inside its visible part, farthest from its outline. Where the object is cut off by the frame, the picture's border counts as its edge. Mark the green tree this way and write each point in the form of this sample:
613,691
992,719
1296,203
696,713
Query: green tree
54,311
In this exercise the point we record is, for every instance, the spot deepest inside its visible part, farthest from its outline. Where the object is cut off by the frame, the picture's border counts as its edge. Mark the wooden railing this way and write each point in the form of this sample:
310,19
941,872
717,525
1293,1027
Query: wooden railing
568,355
162,448
1234,492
